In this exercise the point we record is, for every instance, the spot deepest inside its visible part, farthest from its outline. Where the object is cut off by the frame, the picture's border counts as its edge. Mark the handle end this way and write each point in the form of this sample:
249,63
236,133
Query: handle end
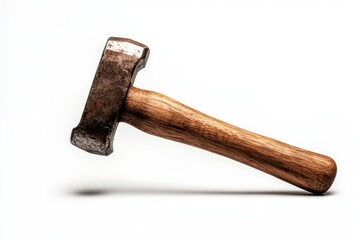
326,176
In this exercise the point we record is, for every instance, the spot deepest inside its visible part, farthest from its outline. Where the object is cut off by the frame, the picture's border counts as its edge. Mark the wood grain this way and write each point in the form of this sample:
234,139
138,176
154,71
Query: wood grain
162,116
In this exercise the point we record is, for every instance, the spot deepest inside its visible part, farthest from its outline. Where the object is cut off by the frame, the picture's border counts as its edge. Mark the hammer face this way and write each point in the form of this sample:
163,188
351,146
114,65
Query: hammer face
121,60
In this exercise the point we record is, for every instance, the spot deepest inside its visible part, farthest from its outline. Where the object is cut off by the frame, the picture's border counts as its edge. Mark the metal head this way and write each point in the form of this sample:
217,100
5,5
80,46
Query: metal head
121,60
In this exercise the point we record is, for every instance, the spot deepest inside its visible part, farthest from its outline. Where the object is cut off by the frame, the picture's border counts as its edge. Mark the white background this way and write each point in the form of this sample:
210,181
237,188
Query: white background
284,69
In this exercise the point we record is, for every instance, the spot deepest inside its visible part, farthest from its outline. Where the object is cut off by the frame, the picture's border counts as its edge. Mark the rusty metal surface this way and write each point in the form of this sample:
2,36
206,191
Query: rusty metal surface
121,60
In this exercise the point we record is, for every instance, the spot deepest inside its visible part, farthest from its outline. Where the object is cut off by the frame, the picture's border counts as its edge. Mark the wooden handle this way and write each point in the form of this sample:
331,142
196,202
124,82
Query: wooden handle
162,116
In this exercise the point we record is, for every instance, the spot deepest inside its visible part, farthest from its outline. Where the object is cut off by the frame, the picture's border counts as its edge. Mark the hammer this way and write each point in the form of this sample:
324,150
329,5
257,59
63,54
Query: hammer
113,99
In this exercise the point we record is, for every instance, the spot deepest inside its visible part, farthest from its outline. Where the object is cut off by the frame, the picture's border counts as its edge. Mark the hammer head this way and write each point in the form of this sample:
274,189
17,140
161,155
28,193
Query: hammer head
121,60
